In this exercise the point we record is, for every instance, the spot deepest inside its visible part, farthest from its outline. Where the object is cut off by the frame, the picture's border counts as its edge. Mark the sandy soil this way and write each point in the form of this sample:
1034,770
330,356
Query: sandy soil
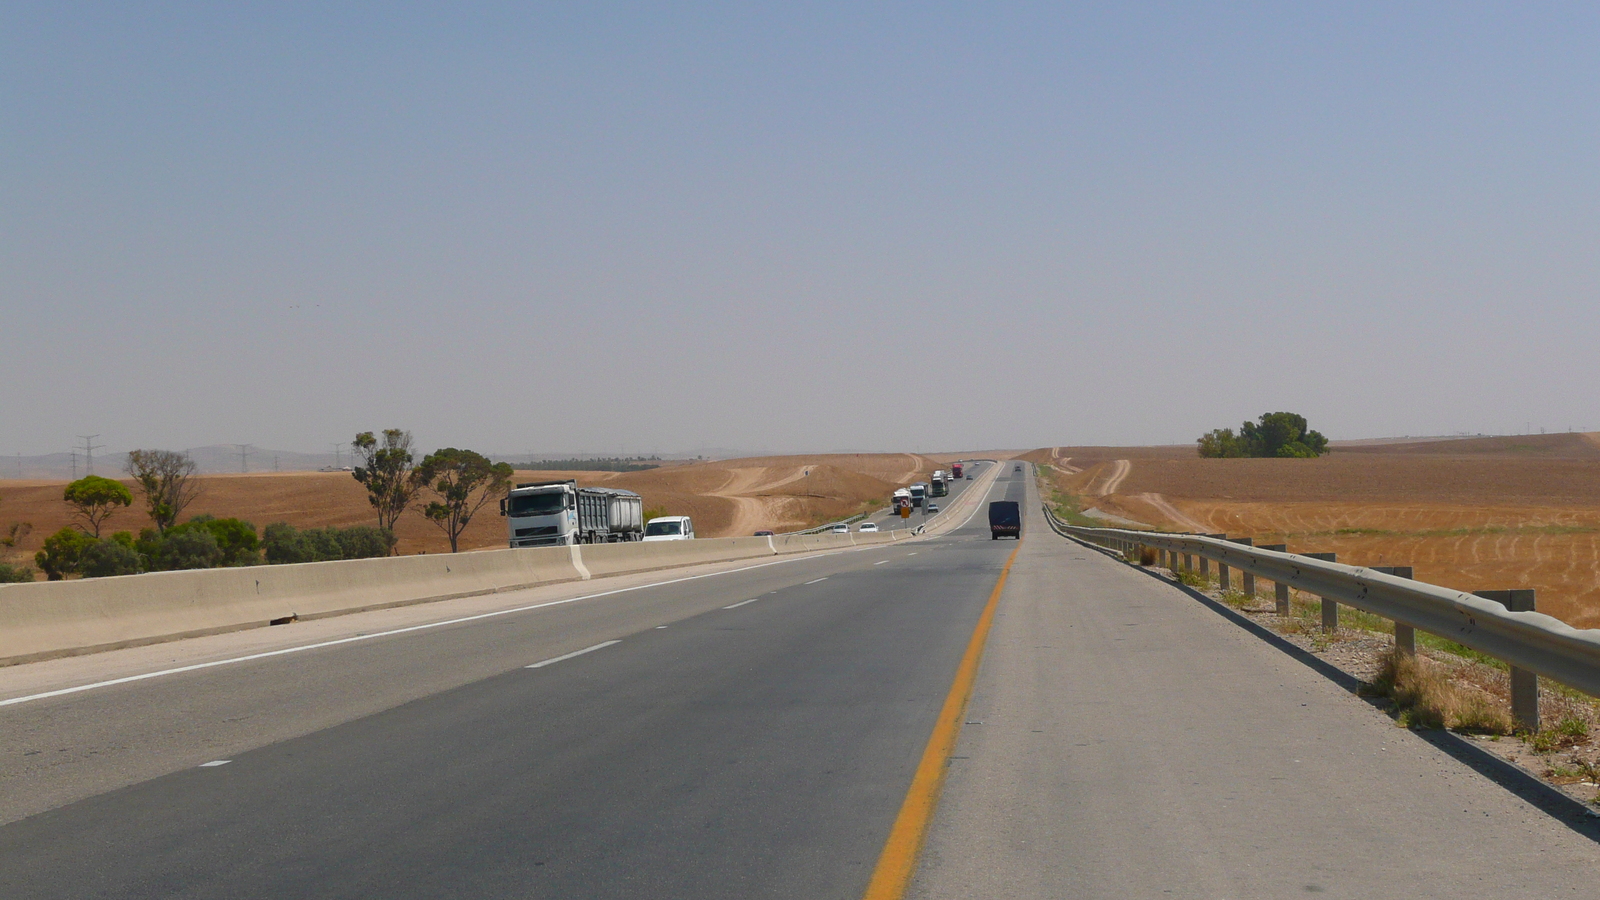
725,497
1474,514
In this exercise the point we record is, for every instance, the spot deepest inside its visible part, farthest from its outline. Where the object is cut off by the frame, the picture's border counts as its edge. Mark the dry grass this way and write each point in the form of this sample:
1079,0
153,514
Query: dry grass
1425,696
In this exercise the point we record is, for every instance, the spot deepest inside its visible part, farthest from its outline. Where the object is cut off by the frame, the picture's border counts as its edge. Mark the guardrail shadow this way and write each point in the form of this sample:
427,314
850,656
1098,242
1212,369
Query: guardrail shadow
1577,816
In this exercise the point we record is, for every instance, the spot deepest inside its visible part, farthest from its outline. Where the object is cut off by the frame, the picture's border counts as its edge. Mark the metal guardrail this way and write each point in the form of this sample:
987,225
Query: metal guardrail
1527,640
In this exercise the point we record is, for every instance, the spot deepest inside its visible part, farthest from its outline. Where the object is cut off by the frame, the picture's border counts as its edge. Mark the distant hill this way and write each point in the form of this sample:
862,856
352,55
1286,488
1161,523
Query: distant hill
1566,445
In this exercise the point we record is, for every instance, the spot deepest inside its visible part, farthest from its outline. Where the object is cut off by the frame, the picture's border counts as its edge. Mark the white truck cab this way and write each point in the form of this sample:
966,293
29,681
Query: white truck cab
669,528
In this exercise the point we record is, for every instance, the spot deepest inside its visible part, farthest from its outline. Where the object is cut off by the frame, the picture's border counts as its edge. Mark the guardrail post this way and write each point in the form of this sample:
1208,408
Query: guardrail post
1247,579
1280,591
1405,637
1330,609
1524,684
1205,564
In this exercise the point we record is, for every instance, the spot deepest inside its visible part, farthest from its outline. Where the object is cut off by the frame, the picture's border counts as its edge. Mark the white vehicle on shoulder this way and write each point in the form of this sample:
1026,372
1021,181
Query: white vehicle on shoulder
669,528
840,528
867,527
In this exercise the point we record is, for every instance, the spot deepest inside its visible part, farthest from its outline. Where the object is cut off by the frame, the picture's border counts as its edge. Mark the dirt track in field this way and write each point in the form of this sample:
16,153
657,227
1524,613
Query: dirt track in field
1474,514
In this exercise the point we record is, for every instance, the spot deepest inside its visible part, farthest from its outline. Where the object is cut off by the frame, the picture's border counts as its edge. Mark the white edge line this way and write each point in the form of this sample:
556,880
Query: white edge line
565,656
741,603
127,679
823,578
215,762
880,562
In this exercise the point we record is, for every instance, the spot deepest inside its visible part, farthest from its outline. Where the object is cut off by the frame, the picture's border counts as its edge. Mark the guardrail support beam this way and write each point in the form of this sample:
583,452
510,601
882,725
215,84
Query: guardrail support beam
1247,578
1524,684
1330,608
1405,637
1280,591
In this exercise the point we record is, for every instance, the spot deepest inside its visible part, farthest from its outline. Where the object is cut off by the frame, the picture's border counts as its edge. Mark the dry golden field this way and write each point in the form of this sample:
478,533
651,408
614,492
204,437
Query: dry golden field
1469,514
1474,514
725,497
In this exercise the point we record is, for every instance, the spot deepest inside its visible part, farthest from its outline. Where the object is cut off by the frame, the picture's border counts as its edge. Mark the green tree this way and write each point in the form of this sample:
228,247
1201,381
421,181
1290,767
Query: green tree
62,554
1279,434
94,499
166,478
463,481
1220,444
111,556
387,473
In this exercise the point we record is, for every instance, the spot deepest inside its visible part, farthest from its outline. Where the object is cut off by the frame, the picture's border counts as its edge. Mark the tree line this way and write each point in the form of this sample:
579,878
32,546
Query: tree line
448,488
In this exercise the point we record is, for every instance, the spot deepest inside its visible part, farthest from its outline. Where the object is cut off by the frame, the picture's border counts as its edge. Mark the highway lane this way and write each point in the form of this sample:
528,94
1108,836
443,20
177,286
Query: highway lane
887,519
1131,741
760,750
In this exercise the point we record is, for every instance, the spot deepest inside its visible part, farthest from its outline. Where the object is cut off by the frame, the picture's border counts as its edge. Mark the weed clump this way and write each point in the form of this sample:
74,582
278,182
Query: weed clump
1425,697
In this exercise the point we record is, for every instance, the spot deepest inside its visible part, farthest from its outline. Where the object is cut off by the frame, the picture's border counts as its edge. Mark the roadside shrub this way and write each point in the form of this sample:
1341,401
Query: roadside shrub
179,548
236,539
10,574
109,556
284,543
62,554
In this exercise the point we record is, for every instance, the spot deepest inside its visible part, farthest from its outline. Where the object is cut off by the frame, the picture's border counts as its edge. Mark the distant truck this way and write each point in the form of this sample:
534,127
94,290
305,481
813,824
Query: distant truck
902,497
1005,520
919,493
940,486
545,513
955,470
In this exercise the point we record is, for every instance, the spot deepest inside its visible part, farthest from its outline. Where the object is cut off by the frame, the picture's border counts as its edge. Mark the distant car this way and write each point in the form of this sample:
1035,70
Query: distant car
763,534
840,528
868,526
669,528
933,507
969,477
1017,469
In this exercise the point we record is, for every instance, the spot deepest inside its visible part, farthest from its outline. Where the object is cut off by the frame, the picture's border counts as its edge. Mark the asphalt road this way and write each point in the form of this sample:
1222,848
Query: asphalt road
757,751
751,731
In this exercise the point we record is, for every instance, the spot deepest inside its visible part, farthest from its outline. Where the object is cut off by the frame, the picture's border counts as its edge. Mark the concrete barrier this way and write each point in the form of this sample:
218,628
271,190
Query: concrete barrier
63,618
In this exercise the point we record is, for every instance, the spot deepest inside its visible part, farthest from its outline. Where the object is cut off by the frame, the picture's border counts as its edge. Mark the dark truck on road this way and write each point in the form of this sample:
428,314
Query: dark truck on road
1005,518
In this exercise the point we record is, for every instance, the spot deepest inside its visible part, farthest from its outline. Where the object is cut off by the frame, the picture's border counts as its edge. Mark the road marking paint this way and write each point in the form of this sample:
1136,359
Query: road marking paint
214,763
823,578
913,554
127,679
880,562
565,656
741,603
898,862
659,627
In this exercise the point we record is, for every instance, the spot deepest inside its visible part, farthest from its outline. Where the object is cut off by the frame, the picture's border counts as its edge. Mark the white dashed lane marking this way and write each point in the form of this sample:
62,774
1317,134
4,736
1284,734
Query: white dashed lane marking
565,656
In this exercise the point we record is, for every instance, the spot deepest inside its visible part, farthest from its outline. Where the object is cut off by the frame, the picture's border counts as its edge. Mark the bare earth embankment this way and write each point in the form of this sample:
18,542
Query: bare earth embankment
1472,514
725,497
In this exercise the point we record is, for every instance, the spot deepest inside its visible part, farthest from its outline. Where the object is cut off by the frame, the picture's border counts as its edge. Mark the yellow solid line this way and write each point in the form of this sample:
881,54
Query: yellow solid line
898,862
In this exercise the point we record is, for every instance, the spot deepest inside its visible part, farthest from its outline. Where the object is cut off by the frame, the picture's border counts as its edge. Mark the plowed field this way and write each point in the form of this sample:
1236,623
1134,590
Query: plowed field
1475,514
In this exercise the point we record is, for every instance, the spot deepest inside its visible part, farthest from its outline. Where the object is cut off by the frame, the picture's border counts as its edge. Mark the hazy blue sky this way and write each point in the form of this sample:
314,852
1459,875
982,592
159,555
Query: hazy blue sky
794,226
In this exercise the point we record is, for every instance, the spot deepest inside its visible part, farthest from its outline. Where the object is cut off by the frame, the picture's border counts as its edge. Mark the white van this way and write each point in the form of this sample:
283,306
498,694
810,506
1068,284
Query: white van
669,528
